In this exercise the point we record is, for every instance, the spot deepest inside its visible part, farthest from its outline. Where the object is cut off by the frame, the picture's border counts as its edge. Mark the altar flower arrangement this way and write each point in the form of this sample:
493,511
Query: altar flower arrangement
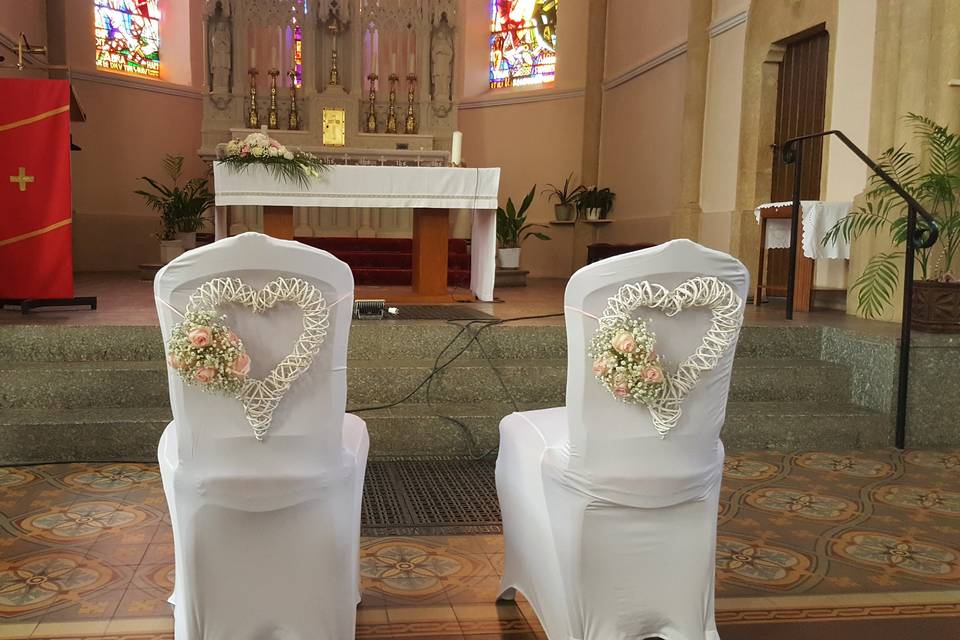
205,352
291,165
626,363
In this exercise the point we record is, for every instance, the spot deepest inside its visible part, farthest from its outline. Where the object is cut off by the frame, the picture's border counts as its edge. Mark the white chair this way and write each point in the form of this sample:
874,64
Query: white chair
609,530
266,534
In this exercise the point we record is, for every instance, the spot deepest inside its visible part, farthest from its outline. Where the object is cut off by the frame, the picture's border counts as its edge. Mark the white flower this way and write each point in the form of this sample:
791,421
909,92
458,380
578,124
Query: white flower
257,140
258,152
288,156
272,152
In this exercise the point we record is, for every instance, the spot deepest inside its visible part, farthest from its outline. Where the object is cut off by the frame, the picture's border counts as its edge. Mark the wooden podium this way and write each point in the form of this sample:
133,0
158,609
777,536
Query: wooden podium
431,230
803,292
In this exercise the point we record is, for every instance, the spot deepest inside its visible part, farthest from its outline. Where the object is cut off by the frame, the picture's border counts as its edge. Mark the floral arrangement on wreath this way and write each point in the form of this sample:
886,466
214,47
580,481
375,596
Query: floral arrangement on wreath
258,148
626,363
205,352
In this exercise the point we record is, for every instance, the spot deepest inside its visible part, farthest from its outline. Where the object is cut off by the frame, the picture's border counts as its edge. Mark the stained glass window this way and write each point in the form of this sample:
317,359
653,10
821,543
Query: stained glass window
128,36
523,42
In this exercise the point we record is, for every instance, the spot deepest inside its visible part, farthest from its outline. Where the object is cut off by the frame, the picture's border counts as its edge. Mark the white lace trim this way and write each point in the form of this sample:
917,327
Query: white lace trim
261,397
726,310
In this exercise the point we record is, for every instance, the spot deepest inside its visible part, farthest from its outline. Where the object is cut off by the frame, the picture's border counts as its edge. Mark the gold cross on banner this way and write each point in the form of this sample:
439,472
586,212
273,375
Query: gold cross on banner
22,178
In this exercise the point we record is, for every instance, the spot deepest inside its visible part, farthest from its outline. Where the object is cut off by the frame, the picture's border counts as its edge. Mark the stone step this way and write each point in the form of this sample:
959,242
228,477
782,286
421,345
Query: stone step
35,435
391,339
81,435
68,385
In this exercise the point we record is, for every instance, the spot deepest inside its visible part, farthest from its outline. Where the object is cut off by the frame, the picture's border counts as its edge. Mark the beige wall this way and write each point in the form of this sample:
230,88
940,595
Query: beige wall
721,134
645,80
533,134
131,124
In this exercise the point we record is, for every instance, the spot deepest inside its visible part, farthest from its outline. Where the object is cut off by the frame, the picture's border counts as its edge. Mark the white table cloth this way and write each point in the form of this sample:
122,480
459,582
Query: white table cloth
609,530
816,219
266,534
383,187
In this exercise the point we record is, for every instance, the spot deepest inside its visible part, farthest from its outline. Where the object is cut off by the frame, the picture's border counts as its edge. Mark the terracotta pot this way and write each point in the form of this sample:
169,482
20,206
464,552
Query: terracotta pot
936,306
563,212
509,258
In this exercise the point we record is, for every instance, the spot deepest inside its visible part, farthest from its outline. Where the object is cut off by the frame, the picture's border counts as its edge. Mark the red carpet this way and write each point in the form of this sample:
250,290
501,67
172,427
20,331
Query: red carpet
388,261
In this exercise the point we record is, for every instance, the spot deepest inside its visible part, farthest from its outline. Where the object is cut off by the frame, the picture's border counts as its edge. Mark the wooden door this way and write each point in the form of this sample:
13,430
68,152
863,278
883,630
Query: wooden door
801,105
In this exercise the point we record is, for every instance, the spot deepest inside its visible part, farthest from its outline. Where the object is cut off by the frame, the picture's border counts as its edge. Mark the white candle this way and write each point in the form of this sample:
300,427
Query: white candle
376,63
393,62
273,58
410,62
253,57
456,147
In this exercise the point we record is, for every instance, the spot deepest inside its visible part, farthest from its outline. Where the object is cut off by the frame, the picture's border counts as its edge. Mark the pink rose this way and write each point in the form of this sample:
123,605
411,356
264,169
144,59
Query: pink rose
624,342
200,336
599,367
233,338
205,375
241,366
173,361
621,386
652,375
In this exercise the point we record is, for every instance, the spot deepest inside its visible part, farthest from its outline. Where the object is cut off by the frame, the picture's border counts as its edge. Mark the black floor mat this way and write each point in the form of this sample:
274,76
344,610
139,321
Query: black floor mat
440,496
437,312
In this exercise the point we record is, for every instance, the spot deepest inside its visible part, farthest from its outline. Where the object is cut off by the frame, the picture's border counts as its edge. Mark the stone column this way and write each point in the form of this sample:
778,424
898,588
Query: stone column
685,220
585,234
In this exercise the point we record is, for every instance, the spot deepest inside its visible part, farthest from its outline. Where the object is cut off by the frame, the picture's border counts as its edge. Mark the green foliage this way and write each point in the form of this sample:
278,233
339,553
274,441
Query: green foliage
512,227
564,195
181,208
596,198
299,170
933,179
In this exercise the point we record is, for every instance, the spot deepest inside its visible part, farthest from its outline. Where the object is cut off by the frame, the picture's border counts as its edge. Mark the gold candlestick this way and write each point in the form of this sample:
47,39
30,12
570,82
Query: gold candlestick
293,121
273,118
334,72
334,26
253,118
410,123
392,108
372,109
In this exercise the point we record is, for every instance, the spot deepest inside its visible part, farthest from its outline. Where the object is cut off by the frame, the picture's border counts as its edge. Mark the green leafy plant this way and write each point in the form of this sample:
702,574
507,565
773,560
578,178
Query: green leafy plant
181,208
933,179
512,226
596,198
566,194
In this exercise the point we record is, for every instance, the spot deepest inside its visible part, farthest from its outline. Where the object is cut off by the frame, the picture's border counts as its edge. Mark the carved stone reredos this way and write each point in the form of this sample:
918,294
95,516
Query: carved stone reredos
353,28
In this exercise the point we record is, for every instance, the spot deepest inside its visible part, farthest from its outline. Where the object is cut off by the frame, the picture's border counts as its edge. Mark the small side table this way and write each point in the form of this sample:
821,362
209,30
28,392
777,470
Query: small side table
803,287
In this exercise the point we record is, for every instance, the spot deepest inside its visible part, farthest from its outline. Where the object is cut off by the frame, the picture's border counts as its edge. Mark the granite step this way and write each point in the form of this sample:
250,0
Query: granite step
36,435
81,435
65,385
369,340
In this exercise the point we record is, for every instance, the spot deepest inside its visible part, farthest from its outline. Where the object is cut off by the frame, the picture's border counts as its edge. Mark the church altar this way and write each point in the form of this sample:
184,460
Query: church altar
430,191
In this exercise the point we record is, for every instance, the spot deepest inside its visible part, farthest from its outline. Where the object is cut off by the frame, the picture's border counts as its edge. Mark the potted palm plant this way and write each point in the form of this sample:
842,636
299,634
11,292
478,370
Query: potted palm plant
566,199
935,184
513,229
181,207
596,203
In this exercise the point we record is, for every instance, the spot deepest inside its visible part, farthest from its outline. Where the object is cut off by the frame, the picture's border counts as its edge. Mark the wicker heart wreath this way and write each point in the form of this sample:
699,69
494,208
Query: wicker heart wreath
261,397
726,310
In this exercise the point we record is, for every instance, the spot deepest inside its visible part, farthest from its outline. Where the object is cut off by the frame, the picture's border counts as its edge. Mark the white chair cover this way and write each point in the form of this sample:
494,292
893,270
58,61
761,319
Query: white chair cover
266,534
609,530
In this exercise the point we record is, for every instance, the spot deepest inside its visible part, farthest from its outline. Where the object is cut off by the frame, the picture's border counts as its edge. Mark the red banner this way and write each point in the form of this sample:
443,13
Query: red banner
36,246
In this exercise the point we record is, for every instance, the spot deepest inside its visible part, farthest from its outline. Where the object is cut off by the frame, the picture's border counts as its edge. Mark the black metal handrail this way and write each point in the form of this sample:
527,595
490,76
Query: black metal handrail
921,238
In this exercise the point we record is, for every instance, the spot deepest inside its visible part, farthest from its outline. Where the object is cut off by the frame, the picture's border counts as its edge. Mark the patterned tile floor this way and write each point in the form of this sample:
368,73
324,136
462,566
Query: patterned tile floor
869,539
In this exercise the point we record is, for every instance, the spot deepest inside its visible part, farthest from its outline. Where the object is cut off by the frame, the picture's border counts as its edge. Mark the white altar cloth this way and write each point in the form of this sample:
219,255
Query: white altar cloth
382,187
816,219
